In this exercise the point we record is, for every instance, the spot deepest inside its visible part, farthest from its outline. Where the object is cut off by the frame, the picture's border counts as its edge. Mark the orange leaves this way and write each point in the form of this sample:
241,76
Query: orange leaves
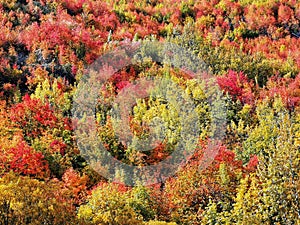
158,154
285,13
287,89
259,17
75,184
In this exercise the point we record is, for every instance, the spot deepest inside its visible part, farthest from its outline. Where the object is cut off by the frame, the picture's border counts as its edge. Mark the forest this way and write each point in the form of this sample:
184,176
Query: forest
149,112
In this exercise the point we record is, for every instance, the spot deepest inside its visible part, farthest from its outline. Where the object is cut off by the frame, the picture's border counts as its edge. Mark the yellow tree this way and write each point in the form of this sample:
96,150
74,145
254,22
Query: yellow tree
271,194
24,200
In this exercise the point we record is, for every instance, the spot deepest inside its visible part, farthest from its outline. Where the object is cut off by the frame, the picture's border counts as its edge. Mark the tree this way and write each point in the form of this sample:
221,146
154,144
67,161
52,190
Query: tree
24,200
270,195
109,204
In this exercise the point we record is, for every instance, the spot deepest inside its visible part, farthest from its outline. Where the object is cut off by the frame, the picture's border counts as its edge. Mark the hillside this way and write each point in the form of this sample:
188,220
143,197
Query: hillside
149,112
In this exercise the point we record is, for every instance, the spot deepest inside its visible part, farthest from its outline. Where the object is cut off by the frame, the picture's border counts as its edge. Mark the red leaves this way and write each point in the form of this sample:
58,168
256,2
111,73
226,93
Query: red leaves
33,116
122,84
252,164
220,154
228,157
237,85
75,5
122,78
232,83
24,160
204,8
58,146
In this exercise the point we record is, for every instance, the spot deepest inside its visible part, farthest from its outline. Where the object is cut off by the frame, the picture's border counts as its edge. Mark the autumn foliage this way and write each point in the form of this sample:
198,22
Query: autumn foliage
250,48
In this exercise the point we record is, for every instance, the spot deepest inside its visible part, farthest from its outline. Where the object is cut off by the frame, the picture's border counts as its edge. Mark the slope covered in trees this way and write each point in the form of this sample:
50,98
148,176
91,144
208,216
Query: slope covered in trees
251,48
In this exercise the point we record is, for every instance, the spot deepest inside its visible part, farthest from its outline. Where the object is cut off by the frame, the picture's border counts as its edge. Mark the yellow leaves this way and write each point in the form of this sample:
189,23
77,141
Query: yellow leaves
282,48
9,3
246,202
108,205
271,120
152,222
51,208
268,195
205,21
53,93
169,28
241,192
223,174
25,199
245,112
296,130
195,89
85,212
111,204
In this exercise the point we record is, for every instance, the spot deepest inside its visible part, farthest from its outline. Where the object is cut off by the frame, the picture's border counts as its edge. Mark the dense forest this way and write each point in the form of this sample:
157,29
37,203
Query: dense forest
204,93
